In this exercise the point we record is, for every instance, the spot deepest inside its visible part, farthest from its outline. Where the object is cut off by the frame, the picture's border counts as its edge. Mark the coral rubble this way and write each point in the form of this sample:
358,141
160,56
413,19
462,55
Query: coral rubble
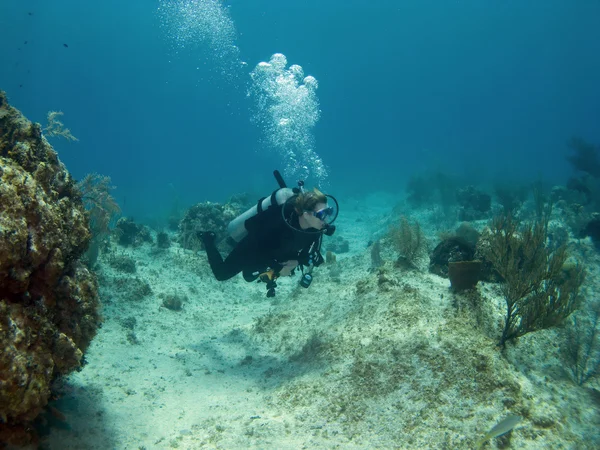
48,299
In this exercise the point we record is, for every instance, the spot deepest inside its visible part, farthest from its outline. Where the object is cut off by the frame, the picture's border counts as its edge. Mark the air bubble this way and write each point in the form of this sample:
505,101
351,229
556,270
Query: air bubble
287,109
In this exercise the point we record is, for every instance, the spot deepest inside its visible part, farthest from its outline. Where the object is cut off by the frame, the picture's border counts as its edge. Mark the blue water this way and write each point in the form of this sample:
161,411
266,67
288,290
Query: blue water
483,90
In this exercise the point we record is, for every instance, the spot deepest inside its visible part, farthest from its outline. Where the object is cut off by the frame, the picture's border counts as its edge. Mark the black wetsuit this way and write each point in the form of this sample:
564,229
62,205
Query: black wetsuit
269,243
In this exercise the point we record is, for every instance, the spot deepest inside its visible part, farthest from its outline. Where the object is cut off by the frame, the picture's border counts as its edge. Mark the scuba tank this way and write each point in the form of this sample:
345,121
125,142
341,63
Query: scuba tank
237,227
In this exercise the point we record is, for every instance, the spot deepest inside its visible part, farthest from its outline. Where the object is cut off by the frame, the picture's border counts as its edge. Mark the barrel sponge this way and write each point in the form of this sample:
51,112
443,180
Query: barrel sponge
48,298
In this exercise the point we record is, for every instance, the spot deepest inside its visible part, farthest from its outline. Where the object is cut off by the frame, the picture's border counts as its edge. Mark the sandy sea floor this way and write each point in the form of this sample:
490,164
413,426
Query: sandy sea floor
364,358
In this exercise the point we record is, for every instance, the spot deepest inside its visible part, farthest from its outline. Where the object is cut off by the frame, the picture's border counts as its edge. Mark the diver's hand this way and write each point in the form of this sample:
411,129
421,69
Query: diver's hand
288,267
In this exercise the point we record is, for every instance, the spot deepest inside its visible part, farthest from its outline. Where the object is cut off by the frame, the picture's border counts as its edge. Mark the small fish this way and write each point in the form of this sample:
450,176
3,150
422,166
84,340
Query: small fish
65,46
499,429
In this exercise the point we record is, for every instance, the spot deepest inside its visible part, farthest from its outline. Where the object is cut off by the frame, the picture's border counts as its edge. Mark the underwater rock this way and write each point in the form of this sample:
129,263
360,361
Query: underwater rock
174,302
48,298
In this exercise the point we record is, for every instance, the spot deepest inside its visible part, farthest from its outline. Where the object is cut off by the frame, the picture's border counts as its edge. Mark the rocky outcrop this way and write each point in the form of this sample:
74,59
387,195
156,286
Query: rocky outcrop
48,299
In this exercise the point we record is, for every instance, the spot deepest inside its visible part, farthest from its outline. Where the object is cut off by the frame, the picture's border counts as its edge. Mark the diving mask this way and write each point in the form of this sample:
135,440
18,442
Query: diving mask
324,213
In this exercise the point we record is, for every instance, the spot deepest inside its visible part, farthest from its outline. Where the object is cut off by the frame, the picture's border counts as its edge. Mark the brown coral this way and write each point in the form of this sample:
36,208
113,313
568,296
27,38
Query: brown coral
48,299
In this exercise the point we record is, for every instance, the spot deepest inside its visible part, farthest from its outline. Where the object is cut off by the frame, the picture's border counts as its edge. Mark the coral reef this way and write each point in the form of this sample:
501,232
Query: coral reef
130,233
451,249
48,299
206,216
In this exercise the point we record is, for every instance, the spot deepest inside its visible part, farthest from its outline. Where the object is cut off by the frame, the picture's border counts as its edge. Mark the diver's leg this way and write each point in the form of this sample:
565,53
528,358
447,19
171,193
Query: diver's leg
231,266
221,269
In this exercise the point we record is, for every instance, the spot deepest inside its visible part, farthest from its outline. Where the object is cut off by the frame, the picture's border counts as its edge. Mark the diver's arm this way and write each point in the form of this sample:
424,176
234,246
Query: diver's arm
288,267
311,256
317,259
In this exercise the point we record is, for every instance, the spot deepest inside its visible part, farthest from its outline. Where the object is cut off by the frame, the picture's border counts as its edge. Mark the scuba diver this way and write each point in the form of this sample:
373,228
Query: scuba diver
277,235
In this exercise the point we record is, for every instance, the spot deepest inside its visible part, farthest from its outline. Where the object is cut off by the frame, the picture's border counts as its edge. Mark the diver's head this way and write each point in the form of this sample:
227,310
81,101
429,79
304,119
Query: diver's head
312,210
